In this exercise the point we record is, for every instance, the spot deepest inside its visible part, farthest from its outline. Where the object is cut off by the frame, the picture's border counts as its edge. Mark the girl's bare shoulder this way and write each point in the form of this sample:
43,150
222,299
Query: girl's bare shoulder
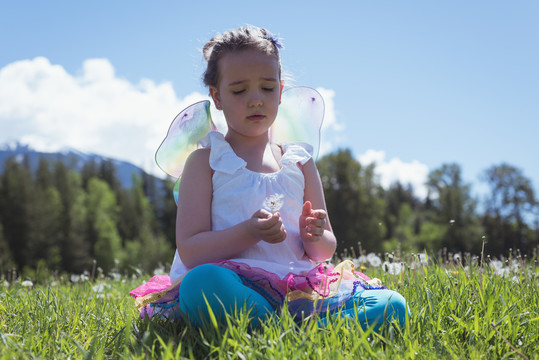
198,160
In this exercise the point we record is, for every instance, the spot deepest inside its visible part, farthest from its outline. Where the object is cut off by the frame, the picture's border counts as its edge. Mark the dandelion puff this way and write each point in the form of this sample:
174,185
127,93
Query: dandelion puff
496,265
27,283
374,260
74,278
273,203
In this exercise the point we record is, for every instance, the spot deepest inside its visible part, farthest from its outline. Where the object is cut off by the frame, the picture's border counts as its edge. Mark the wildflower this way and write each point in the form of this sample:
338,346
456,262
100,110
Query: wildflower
27,283
273,202
393,268
159,271
6,283
84,277
99,289
374,260
74,278
115,276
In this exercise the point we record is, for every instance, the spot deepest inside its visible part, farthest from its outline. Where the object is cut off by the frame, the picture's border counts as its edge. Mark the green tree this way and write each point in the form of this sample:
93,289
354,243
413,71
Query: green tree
454,208
396,197
509,208
101,217
75,251
44,209
16,191
354,201
146,247
6,259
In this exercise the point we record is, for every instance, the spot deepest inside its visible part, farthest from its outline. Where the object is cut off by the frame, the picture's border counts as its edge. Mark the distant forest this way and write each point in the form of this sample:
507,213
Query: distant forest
73,221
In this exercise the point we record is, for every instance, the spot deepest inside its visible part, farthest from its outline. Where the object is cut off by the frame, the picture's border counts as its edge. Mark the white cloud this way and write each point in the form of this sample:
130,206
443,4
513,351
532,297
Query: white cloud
413,173
94,111
44,106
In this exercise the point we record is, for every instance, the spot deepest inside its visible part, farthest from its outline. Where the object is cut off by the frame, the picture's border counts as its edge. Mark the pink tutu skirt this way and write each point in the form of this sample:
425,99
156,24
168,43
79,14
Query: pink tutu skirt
322,289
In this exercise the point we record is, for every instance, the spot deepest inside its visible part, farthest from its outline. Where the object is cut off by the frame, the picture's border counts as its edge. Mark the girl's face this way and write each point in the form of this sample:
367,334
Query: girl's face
248,92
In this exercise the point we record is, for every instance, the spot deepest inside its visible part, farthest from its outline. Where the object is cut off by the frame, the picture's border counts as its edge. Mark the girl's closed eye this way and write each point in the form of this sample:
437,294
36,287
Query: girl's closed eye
238,92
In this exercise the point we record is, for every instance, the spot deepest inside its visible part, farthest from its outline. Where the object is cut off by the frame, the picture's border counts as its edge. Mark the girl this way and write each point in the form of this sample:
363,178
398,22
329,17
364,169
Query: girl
233,251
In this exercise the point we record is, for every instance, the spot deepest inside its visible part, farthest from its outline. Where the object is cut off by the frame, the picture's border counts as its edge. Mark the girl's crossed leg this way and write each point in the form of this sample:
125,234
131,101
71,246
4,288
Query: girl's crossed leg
373,308
224,291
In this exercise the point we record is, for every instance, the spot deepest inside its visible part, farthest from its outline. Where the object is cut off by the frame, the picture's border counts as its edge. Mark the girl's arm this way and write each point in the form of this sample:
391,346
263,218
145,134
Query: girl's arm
318,239
196,242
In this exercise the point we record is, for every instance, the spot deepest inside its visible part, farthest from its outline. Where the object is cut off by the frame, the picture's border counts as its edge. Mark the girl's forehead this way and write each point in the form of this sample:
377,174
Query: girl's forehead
247,61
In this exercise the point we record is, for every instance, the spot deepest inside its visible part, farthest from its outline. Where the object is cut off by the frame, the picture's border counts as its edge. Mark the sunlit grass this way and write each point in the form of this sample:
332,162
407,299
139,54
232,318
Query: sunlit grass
461,307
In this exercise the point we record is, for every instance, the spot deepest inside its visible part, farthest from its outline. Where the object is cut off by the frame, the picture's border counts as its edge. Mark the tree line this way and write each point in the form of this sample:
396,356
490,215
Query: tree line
449,218
66,220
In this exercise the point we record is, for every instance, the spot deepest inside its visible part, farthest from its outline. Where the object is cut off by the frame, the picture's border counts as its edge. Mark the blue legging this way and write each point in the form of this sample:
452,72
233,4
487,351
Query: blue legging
224,291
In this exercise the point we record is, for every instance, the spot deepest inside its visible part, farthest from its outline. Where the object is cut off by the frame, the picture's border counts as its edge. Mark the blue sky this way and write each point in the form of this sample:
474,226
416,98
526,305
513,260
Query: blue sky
410,84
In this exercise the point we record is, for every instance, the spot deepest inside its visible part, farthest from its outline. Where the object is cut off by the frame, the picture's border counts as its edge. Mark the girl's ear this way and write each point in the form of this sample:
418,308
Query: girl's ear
214,93
281,91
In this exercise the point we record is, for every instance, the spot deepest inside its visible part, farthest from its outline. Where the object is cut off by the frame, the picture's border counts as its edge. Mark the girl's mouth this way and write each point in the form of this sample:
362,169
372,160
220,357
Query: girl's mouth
256,117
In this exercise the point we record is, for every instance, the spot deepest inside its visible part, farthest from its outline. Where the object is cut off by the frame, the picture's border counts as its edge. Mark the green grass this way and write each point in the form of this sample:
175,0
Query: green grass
457,312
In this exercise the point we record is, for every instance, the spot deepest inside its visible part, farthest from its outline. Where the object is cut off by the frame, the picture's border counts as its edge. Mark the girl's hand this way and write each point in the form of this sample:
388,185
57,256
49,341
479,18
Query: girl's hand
312,223
267,227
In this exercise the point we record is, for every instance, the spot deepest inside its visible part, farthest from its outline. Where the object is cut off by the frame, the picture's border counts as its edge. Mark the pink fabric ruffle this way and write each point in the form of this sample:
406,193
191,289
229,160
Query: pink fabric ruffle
155,284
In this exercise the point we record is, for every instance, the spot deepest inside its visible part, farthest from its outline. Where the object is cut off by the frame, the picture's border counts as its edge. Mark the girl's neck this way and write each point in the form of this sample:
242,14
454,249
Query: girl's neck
257,152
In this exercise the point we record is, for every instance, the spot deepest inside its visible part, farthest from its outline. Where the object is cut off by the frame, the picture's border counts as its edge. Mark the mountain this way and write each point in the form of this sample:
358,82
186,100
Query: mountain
70,157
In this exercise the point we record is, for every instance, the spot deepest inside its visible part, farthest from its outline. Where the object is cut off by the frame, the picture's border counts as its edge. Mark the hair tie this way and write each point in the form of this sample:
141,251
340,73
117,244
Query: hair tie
274,39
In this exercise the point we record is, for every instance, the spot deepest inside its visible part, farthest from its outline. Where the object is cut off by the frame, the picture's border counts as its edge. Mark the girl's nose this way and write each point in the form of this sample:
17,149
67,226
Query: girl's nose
255,99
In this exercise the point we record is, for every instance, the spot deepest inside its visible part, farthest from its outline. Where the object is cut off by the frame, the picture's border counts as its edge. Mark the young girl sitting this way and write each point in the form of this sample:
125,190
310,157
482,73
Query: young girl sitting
235,250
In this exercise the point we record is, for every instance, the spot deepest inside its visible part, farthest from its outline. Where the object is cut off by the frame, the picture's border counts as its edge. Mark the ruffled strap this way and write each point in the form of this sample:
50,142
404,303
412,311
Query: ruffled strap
296,152
222,157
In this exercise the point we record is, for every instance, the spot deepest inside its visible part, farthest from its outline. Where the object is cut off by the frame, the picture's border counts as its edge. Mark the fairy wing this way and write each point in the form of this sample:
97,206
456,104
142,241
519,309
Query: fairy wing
187,128
300,117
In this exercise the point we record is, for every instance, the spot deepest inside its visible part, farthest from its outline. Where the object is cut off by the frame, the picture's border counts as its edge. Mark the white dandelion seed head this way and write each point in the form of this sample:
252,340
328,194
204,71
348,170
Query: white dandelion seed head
393,268
496,265
27,283
273,202
159,271
374,260
115,276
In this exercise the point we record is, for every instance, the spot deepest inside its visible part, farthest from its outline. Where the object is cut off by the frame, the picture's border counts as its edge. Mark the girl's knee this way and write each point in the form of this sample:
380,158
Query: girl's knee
396,307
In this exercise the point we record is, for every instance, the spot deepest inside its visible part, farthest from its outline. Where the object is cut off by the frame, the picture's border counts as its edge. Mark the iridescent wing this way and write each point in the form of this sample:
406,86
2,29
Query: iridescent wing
299,118
187,128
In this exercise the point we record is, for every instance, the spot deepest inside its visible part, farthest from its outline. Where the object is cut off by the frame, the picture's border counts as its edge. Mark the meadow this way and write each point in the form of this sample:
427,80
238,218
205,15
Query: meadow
461,307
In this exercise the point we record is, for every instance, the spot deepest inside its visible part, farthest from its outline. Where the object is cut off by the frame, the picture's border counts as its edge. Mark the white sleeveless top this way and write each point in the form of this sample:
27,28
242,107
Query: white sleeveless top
239,192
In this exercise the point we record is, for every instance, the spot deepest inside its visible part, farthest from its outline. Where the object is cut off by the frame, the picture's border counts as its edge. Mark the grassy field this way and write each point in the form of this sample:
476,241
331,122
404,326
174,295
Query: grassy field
461,308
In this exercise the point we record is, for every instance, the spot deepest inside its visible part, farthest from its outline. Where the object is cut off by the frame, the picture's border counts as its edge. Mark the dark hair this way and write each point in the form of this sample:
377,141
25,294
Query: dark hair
243,38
